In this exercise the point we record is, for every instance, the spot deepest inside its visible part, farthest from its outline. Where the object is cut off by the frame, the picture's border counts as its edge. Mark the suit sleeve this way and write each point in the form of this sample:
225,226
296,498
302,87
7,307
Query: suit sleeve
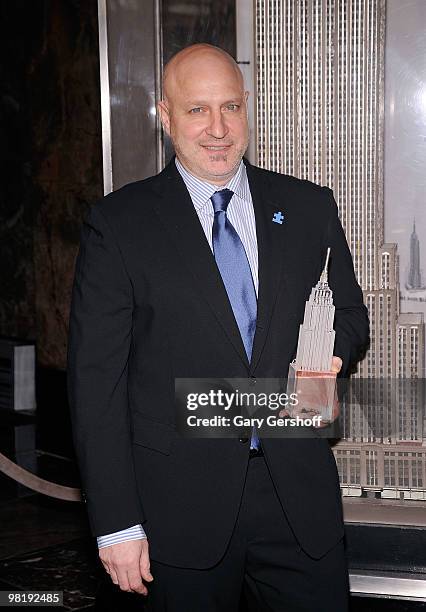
351,322
99,343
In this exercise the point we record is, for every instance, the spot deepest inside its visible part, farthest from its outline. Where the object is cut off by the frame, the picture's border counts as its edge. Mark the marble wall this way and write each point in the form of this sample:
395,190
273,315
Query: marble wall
51,158
51,149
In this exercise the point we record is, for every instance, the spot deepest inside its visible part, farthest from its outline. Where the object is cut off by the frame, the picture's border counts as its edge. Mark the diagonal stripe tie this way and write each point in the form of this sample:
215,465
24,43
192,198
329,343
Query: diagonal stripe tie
231,259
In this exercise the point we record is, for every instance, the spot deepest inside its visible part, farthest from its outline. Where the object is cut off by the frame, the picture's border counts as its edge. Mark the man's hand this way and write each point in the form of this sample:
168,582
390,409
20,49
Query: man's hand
313,391
128,563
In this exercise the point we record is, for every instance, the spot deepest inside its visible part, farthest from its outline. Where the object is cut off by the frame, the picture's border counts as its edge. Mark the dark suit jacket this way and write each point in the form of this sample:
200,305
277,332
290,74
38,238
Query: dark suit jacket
149,305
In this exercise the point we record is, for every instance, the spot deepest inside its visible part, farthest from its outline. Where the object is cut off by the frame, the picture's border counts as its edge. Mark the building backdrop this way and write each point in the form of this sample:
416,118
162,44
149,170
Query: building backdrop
320,70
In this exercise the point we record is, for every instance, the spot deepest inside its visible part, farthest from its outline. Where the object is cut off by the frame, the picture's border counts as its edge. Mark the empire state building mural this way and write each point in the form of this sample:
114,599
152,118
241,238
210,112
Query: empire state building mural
414,282
320,98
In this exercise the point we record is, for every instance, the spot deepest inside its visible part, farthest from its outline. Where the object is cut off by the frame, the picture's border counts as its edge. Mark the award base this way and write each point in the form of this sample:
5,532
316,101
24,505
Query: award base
315,392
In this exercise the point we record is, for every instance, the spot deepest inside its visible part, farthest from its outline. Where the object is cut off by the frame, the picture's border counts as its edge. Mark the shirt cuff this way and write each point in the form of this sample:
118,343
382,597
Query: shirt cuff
131,533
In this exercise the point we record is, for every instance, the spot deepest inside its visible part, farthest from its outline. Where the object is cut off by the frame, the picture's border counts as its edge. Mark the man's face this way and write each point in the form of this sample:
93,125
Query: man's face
205,115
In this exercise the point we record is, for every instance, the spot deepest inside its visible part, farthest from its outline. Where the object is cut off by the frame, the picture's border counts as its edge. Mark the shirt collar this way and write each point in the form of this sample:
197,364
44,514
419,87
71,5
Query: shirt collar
201,191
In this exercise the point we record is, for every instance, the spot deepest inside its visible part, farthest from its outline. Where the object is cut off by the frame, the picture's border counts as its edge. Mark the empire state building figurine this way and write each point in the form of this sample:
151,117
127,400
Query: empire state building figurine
315,351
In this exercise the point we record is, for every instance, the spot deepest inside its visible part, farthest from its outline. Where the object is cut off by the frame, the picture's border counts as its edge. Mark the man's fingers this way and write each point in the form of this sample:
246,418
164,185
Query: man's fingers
145,571
144,564
336,364
110,571
135,581
113,575
123,581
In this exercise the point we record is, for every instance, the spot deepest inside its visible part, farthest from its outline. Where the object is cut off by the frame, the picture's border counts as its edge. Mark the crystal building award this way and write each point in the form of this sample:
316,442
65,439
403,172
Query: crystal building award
310,372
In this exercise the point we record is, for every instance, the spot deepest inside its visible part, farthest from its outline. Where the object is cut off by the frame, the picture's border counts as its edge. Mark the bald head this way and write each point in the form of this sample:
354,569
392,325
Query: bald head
204,111
193,61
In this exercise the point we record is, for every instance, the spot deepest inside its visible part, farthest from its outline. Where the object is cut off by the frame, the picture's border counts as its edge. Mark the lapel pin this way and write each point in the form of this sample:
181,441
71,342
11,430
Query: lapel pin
278,217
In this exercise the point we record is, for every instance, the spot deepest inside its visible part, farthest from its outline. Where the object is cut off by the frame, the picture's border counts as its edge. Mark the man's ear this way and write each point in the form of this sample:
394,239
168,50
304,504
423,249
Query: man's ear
163,111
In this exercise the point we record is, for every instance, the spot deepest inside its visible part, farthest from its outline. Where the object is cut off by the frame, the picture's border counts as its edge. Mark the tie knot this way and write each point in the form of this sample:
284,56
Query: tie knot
221,200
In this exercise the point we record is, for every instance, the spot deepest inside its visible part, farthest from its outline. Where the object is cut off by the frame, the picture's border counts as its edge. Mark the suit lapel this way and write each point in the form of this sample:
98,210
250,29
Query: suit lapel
180,220
271,242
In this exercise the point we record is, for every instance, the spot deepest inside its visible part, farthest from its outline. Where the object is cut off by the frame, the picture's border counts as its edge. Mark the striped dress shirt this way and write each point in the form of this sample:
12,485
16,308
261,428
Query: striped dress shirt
240,213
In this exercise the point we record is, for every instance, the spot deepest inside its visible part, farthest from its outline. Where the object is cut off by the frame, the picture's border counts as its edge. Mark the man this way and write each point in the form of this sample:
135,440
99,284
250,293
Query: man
188,274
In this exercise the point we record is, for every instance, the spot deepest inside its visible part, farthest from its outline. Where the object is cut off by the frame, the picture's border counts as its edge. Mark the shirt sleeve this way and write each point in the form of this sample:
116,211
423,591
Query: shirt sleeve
135,532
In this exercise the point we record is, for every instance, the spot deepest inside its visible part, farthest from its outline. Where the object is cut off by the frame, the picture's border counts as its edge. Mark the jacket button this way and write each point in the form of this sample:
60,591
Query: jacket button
243,440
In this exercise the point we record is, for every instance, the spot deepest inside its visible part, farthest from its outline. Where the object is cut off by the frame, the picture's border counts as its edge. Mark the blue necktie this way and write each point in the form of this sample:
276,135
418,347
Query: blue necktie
235,270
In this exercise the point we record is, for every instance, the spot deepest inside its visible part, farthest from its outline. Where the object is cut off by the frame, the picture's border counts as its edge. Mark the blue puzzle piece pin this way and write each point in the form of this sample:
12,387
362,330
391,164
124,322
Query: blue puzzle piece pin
278,217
